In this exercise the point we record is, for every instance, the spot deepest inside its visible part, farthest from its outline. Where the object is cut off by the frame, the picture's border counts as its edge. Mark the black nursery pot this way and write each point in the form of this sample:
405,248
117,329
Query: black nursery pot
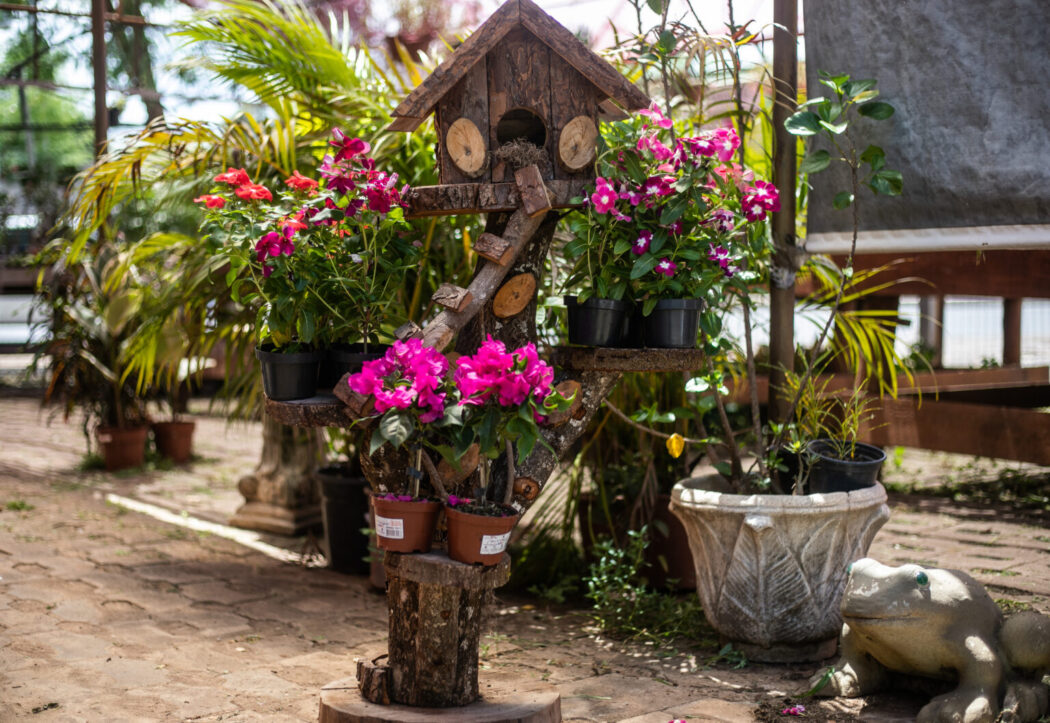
596,322
345,359
828,473
674,324
344,509
288,376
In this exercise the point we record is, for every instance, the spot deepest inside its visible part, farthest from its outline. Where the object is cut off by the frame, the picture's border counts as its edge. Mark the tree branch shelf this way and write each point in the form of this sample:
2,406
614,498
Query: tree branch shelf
604,359
323,410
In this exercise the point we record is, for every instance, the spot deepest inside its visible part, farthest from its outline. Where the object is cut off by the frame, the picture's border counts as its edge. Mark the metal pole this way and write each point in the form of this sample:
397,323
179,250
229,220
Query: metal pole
785,264
98,64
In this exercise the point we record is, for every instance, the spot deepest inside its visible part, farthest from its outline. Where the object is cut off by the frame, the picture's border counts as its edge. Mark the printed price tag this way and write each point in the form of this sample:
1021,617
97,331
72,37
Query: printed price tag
493,544
390,528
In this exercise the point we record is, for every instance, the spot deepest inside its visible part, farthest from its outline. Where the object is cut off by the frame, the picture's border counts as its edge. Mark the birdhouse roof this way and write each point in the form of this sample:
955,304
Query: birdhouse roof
512,14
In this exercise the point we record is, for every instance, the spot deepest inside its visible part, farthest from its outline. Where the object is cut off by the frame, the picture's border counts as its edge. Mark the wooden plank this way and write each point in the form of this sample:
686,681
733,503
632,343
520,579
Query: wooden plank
609,112
533,193
572,96
468,99
426,95
989,431
452,297
1011,331
492,247
579,56
439,332
627,360
518,77
404,123
487,198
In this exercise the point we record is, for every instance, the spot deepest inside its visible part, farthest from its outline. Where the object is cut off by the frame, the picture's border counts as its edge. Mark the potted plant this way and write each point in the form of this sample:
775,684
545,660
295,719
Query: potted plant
667,215
506,396
91,309
345,504
320,263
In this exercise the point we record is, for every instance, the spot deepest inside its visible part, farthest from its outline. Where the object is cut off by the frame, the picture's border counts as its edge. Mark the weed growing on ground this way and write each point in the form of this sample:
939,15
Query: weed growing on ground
19,506
1022,489
1009,607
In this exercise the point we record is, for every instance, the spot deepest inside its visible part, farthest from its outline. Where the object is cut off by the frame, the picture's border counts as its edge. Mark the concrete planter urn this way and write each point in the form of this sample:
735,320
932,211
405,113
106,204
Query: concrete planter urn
771,569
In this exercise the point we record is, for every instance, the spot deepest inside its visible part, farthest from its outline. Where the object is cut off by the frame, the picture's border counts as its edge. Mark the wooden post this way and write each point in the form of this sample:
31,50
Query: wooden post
785,264
1011,331
435,623
931,328
98,65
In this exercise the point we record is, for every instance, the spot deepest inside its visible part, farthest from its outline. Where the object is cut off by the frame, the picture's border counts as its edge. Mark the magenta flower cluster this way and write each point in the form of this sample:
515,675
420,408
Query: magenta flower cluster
350,170
758,199
511,378
409,375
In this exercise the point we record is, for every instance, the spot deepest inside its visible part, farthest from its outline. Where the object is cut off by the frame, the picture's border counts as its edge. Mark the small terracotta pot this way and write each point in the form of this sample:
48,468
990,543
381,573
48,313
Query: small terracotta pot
405,526
122,448
479,539
174,440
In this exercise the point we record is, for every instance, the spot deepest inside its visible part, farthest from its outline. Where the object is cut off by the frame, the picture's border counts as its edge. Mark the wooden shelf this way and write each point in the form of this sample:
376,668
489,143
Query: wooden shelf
324,410
605,359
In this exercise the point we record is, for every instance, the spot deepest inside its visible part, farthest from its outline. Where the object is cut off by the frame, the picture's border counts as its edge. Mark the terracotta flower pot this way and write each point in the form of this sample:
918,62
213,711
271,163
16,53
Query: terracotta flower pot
771,569
122,448
479,539
174,440
405,526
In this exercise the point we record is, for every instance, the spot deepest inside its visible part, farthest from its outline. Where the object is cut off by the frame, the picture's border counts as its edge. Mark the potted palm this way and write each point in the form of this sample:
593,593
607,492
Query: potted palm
91,309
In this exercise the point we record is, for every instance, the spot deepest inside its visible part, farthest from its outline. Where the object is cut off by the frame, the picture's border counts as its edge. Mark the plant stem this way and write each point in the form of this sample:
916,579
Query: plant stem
737,469
648,430
508,493
435,478
752,384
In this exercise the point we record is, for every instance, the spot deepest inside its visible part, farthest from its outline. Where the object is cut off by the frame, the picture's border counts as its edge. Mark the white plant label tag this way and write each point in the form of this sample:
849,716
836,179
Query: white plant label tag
494,544
390,528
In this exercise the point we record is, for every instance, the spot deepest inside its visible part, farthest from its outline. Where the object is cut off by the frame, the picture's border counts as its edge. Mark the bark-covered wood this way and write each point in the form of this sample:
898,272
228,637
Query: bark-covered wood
570,389
499,197
574,103
526,488
577,145
319,411
518,77
452,475
407,330
358,405
515,294
452,297
489,197
442,200
374,681
435,612
468,101
609,112
494,248
533,193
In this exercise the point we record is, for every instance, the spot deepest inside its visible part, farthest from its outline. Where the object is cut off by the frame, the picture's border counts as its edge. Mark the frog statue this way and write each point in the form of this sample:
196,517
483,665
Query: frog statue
940,624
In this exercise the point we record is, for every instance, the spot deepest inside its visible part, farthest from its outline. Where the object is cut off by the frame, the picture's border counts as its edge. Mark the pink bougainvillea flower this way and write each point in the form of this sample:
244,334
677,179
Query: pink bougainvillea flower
722,220
794,710
253,192
300,182
641,244
453,500
408,376
508,377
666,267
604,197
234,177
211,201
656,117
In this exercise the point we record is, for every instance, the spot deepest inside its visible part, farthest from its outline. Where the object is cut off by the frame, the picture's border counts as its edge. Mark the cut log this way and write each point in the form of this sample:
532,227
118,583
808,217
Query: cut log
578,144
492,247
514,296
439,332
374,681
407,330
452,297
526,488
568,389
534,198
466,147
359,405
435,623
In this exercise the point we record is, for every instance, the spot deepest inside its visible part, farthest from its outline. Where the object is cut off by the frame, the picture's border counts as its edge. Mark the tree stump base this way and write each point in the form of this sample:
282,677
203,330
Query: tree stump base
502,701
435,606
264,517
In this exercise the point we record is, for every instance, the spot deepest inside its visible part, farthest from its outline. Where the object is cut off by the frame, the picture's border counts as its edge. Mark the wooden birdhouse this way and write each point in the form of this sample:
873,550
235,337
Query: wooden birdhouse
519,77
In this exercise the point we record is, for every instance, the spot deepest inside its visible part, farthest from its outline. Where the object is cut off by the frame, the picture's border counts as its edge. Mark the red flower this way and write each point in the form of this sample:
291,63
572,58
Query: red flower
300,182
211,201
234,177
254,192
293,222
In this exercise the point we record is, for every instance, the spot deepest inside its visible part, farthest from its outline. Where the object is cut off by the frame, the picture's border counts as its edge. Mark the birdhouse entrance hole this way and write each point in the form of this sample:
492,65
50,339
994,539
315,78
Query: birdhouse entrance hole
521,123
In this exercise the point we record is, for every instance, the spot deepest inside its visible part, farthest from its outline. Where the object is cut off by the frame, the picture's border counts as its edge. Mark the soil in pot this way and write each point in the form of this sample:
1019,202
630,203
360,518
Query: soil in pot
674,324
344,509
597,322
288,376
343,359
174,440
828,473
404,526
479,539
122,448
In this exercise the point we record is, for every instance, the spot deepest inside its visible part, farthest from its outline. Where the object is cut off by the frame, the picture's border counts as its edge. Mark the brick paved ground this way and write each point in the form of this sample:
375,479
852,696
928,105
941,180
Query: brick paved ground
108,614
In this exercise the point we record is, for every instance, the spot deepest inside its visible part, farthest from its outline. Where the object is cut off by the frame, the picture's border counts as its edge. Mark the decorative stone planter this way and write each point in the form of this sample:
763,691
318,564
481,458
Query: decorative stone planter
771,569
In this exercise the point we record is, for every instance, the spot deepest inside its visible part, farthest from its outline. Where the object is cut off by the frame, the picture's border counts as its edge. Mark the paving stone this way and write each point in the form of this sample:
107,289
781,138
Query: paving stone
123,672
66,646
221,592
78,611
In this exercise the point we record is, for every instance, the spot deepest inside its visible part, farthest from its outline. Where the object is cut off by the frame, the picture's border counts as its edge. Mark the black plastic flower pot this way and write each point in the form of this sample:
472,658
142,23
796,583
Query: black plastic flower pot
829,473
596,322
345,359
344,509
288,376
674,324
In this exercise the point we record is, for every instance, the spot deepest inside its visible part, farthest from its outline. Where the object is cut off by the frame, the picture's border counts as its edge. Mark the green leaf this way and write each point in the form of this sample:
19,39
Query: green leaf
854,88
377,441
887,183
697,384
648,306
621,246
724,469
876,110
874,157
836,82
836,128
645,264
803,123
397,428
842,200
815,162
657,6
306,327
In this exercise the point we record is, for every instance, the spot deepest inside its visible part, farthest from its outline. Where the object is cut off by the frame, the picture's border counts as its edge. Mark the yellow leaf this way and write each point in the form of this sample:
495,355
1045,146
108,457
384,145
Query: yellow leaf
675,445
